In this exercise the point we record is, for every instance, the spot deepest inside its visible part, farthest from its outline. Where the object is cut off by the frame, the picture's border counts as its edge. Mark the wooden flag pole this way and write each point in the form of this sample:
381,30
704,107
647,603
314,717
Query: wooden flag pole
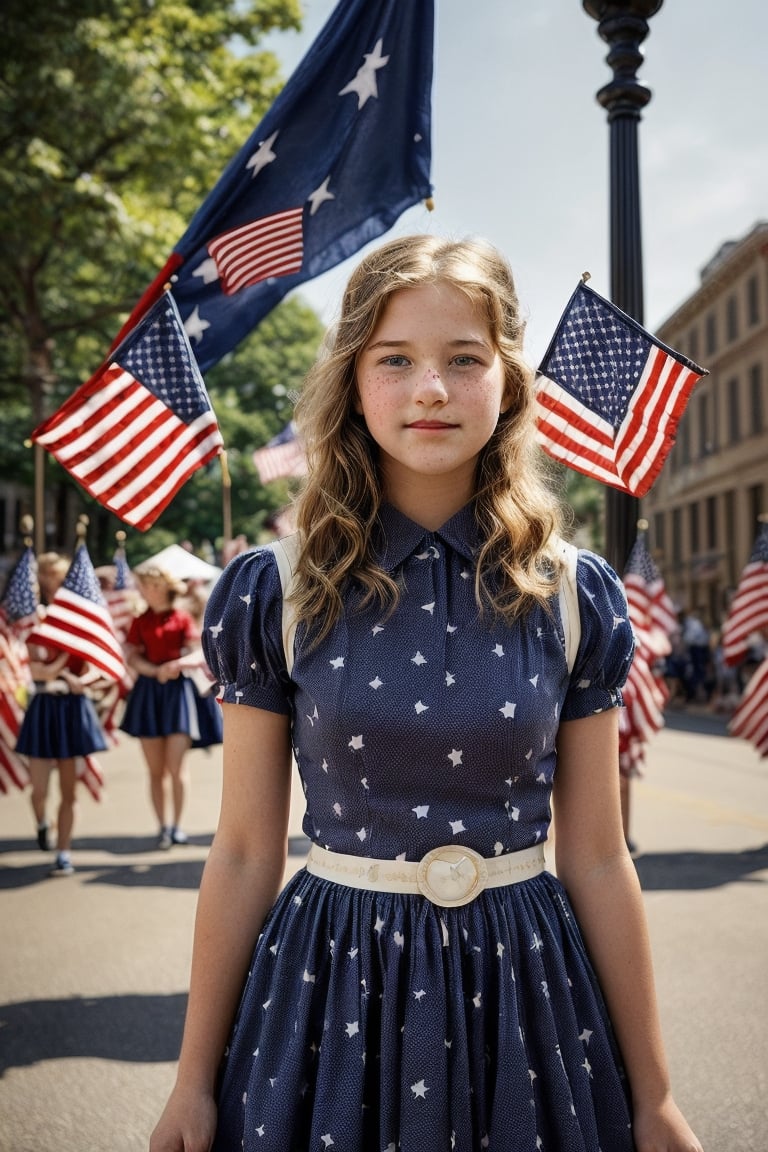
226,500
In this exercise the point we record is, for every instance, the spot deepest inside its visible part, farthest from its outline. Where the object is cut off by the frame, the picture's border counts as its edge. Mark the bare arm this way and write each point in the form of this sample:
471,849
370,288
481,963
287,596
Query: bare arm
241,880
594,865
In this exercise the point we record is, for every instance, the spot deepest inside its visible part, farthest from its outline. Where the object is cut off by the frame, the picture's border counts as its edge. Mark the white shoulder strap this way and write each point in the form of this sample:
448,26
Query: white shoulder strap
569,602
286,552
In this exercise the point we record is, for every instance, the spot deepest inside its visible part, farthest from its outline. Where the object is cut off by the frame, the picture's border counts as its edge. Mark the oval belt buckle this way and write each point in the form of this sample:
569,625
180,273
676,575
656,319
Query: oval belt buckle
451,875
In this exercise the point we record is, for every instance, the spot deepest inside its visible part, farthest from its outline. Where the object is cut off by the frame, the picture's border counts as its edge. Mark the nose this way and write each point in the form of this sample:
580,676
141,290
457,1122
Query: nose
430,388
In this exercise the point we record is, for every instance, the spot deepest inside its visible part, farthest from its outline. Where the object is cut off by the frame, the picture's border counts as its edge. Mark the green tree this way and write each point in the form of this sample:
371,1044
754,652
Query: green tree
116,119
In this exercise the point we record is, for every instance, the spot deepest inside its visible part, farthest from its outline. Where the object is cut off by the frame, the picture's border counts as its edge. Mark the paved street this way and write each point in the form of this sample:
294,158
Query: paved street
93,968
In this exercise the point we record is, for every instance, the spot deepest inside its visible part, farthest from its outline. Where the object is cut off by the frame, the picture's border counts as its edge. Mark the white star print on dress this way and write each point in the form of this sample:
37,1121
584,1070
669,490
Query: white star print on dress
393,773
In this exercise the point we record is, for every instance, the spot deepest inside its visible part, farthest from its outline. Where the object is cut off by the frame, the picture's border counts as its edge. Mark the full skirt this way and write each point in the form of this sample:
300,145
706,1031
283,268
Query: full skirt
375,1022
60,727
154,709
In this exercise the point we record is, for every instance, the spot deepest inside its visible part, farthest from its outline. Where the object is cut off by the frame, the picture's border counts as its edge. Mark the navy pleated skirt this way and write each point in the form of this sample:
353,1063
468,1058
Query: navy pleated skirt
60,727
155,709
375,1022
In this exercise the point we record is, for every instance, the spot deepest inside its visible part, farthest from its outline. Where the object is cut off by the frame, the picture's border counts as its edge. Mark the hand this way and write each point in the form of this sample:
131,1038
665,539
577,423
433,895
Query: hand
663,1129
188,1124
171,670
75,683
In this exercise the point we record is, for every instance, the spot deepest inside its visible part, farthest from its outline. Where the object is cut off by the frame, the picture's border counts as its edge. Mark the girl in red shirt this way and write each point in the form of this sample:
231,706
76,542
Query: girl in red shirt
163,708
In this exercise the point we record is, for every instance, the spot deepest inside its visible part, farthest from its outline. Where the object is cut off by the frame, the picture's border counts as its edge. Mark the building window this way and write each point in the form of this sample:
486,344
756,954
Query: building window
756,399
756,505
658,532
753,301
677,537
711,514
710,329
729,521
685,443
732,318
693,526
693,343
734,411
705,438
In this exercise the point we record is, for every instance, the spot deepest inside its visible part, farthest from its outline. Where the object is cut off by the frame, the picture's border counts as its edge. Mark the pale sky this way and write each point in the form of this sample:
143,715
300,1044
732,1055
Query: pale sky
520,144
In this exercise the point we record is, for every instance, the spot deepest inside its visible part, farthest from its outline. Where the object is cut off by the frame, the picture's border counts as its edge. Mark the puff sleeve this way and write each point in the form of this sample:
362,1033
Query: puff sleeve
607,643
242,636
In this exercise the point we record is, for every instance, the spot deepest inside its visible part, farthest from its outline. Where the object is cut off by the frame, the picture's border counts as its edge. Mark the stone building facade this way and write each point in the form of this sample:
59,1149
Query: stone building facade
703,509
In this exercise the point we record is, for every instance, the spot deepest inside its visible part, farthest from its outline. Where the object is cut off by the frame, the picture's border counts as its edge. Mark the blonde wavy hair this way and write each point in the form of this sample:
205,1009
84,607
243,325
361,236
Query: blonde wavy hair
517,512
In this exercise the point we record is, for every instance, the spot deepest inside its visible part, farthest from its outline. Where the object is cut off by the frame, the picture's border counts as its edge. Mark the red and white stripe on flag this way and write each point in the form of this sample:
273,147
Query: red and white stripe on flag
631,456
280,460
271,246
750,720
84,628
130,451
14,676
748,613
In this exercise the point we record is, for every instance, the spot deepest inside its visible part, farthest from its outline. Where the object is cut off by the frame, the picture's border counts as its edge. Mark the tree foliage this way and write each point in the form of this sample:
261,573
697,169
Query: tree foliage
116,120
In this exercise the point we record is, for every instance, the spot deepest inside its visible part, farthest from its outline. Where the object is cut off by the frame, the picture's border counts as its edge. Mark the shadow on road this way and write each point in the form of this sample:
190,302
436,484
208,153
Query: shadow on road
172,871
141,1029
668,871
701,722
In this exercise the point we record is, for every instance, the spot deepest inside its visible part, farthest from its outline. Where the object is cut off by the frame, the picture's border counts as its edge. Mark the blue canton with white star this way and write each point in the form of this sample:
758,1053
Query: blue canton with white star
161,362
81,578
20,597
596,357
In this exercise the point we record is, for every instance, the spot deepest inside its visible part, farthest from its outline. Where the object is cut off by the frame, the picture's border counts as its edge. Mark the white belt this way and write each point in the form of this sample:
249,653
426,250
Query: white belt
449,876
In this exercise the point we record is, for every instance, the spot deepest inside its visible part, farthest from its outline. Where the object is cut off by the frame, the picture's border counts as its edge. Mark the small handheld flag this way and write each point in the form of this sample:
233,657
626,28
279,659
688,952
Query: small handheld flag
748,611
282,456
609,395
138,429
78,621
20,598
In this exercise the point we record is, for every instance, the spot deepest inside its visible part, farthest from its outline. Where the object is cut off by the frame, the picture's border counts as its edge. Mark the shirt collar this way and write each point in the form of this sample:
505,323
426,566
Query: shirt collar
399,537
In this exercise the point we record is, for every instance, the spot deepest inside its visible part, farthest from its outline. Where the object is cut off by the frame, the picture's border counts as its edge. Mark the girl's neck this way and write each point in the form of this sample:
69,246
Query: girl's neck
429,500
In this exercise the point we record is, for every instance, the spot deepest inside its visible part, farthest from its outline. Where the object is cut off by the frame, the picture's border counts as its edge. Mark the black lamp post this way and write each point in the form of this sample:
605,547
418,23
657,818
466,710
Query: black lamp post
623,24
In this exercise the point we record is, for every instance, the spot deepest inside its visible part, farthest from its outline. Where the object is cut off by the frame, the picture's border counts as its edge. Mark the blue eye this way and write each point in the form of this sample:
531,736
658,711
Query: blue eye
396,361
464,361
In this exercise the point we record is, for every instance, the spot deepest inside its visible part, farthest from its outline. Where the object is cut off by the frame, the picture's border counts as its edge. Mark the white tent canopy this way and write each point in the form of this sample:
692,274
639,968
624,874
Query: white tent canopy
184,565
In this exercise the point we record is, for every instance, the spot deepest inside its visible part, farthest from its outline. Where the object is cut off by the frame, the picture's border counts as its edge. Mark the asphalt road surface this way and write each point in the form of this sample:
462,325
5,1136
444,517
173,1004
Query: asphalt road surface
93,967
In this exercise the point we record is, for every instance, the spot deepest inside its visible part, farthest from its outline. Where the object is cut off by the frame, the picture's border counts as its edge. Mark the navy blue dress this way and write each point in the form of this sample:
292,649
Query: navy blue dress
379,1021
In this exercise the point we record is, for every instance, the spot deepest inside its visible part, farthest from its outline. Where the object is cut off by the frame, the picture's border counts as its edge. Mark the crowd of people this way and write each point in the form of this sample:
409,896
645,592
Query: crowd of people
696,672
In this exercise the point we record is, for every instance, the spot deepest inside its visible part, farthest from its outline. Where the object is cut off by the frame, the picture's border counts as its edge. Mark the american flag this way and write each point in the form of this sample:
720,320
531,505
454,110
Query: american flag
138,429
609,395
651,610
122,597
344,150
78,621
644,696
18,615
282,456
20,598
748,612
750,720
15,681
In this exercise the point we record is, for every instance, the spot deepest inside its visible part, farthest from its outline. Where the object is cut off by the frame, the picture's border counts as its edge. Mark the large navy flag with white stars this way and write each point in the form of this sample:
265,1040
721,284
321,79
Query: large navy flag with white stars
138,429
340,155
609,395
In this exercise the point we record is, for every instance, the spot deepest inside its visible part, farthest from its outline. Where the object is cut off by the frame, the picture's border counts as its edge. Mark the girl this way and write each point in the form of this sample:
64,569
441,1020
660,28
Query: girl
60,724
423,983
163,709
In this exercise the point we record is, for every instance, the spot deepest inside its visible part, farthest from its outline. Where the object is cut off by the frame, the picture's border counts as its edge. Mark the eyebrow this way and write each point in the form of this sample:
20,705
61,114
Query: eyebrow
468,343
